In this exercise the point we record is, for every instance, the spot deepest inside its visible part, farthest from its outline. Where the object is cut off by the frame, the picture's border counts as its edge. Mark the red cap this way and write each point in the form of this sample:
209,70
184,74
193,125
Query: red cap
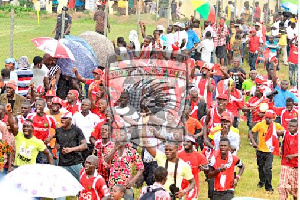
12,84
259,80
98,71
222,96
270,114
40,89
67,115
75,92
50,93
174,113
57,100
226,116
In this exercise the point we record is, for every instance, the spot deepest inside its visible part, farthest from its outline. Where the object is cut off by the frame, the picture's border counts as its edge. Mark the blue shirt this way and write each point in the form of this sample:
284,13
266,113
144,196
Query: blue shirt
282,96
273,47
192,39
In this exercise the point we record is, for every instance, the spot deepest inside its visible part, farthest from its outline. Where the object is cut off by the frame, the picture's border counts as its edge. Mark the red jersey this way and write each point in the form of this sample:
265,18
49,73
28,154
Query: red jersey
94,188
203,92
235,102
224,180
42,125
290,146
293,57
73,108
254,44
194,109
255,102
97,130
286,116
194,159
215,117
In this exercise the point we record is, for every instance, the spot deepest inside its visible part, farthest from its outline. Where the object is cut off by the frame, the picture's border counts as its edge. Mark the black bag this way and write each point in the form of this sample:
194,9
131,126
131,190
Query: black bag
150,194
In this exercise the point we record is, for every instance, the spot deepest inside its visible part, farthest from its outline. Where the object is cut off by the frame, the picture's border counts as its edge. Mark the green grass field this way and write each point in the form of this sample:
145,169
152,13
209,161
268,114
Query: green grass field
26,28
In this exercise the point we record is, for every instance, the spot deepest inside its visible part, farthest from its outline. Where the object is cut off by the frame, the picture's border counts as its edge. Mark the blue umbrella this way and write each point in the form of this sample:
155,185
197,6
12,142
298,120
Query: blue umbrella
85,44
85,62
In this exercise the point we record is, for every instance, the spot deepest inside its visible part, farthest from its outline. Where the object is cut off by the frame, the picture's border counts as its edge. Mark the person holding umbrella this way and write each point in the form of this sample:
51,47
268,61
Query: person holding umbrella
27,145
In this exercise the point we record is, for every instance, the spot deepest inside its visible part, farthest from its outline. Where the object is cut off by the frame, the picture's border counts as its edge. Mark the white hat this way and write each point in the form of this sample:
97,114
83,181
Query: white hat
160,28
177,24
67,115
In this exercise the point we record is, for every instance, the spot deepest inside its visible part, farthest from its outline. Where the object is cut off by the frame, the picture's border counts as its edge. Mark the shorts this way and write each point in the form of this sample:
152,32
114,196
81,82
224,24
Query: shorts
221,51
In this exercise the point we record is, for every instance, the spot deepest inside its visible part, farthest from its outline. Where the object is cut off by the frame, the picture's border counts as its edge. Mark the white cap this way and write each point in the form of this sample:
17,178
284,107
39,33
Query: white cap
160,28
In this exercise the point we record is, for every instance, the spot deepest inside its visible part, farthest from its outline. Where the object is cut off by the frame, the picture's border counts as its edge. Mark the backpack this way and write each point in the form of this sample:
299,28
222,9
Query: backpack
150,194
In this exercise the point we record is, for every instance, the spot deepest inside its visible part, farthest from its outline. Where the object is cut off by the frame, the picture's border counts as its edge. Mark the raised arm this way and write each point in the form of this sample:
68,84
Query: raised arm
78,76
146,143
11,120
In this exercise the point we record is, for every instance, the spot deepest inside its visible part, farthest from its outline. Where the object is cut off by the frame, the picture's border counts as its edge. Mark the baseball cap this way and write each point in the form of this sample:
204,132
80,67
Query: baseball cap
50,93
222,96
189,138
57,100
226,116
270,114
12,84
67,115
160,28
98,71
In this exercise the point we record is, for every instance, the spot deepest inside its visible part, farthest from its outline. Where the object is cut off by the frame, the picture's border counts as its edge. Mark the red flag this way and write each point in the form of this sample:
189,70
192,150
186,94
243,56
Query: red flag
272,141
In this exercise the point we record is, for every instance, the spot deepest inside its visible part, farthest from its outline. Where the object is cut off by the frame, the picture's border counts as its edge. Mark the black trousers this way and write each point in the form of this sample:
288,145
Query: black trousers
225,195
264,163
149,172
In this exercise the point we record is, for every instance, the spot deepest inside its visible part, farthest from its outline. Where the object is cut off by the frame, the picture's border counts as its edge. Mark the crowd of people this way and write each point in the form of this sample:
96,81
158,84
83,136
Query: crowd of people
171,112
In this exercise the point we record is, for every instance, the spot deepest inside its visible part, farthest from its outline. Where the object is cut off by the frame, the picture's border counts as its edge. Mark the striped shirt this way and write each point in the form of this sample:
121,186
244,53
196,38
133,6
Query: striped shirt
24,79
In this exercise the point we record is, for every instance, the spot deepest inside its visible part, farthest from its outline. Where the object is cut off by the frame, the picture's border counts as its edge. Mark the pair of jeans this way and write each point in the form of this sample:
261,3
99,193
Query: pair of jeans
252,60
264,162
74,170
293,74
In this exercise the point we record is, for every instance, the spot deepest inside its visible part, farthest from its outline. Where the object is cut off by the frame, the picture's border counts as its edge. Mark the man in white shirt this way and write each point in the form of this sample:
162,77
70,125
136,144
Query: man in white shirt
233,137
275,26
292,32
180,35
208,27
86,121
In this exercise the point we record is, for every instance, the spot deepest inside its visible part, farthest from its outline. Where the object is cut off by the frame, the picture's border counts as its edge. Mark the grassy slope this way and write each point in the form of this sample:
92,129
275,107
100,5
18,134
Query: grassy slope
26,28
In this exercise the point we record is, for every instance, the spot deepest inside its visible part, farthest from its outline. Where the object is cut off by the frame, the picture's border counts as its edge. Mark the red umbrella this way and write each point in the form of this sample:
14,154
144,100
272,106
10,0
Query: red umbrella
53,47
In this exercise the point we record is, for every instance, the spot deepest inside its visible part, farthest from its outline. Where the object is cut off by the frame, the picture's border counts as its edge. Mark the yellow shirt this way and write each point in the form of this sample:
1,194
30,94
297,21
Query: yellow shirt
184,171
262,129
283,40
27,149
218,128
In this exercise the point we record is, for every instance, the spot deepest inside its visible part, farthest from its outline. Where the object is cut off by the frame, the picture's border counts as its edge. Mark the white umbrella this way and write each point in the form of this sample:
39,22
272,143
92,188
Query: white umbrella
11,192
53,47
42,180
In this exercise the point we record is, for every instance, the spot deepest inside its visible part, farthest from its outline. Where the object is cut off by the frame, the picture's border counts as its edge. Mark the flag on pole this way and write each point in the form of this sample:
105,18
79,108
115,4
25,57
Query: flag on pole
271,138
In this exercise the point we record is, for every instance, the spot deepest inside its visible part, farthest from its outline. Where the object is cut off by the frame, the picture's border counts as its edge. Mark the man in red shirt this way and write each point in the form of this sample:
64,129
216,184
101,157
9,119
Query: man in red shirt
253,49
289,113
293,63
195,160
73,105
205,84
42,124
235,101
257,12
221,167
94,187
288,182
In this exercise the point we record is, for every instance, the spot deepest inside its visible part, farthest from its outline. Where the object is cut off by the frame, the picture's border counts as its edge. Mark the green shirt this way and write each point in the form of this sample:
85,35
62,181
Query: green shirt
27,149
247,86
